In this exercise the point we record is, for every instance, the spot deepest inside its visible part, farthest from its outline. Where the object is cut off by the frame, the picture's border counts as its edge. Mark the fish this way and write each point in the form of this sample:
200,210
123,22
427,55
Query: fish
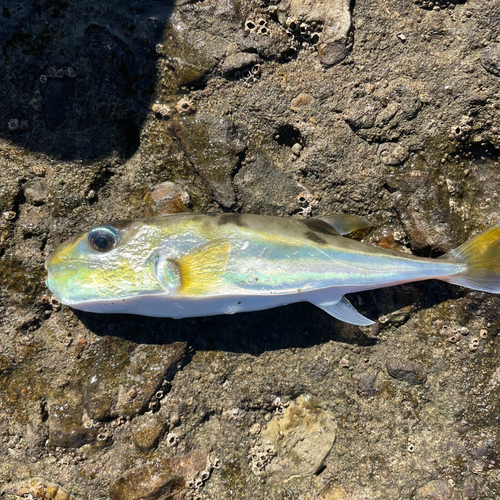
189,265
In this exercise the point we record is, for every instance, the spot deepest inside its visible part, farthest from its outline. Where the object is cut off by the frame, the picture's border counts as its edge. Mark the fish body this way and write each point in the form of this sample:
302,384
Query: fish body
187,265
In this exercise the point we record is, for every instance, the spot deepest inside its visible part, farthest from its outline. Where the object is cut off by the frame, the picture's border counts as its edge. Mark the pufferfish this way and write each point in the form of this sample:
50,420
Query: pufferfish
186,265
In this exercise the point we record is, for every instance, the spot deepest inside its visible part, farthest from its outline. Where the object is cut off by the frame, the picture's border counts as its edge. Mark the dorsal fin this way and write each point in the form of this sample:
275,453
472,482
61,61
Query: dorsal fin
203,268
345,224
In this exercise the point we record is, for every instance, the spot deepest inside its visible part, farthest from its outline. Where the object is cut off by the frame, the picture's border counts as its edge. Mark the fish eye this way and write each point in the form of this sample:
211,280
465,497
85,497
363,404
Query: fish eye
103,238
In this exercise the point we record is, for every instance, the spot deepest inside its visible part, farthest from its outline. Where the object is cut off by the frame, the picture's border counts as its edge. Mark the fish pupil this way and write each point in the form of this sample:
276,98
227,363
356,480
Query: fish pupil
103,239
102,243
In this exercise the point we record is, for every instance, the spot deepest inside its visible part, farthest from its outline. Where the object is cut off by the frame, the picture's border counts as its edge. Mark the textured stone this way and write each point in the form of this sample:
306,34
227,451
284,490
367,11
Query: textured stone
163,478
35,192
366,384
125,376
336,19
65,419
301,438
439,489
491,59
256,184
302,101
392,154
238,61
147,431
167,198
402,369
209,143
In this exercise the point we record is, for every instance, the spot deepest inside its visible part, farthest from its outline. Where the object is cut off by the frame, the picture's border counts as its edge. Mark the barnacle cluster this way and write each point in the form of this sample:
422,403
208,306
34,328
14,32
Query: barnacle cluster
307,202
15,124
437,4
57,73
455,334
261,456
249,75
154,404
258,26
305,35
197,482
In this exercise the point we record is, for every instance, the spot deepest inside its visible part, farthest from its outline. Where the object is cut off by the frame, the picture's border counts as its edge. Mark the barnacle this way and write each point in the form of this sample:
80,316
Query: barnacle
161,109
185,107
13,124
474,344
172,439
250,26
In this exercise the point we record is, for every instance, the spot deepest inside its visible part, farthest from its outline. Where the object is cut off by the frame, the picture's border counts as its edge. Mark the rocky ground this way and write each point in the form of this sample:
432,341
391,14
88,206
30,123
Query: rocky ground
387,109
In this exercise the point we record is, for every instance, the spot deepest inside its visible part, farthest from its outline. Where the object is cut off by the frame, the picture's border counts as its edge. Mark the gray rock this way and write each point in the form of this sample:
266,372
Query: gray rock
125,376
257,184
490,59
392,154
470,488
209,143
336,19
165,478
366,384
147,431
402,369
439,489
238,61
435,226
301,440
362,114
35,192
65,419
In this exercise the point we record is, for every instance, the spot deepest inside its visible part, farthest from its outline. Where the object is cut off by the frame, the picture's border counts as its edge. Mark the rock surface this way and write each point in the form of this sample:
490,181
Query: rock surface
386,109
297,442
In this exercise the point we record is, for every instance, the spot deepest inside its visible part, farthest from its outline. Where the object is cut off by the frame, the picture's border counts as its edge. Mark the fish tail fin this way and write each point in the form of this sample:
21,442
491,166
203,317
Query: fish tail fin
481,254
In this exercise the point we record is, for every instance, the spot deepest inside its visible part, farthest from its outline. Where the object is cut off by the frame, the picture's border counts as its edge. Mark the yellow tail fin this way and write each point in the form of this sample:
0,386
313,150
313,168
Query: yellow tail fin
482,256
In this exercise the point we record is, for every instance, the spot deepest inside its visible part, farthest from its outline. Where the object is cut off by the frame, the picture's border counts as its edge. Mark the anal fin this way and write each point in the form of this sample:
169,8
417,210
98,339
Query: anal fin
344,311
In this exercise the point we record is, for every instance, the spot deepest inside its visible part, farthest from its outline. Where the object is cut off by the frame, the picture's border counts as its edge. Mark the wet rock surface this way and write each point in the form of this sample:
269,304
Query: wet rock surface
167,479
297,442
277,108
402,369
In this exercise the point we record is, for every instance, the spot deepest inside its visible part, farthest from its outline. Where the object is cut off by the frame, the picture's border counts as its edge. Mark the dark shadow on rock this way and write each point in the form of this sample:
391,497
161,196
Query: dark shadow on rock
76,78
418,295
297,325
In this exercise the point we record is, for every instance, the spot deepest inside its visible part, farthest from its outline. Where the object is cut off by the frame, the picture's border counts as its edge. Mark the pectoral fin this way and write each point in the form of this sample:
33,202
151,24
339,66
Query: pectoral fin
345,224
203,268
344,311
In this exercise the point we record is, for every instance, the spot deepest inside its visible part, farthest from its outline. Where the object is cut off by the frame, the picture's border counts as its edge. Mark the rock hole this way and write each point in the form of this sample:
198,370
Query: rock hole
288,135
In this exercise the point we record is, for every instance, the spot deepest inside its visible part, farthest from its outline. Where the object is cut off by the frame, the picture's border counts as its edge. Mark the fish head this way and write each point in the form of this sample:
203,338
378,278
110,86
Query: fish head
113,261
